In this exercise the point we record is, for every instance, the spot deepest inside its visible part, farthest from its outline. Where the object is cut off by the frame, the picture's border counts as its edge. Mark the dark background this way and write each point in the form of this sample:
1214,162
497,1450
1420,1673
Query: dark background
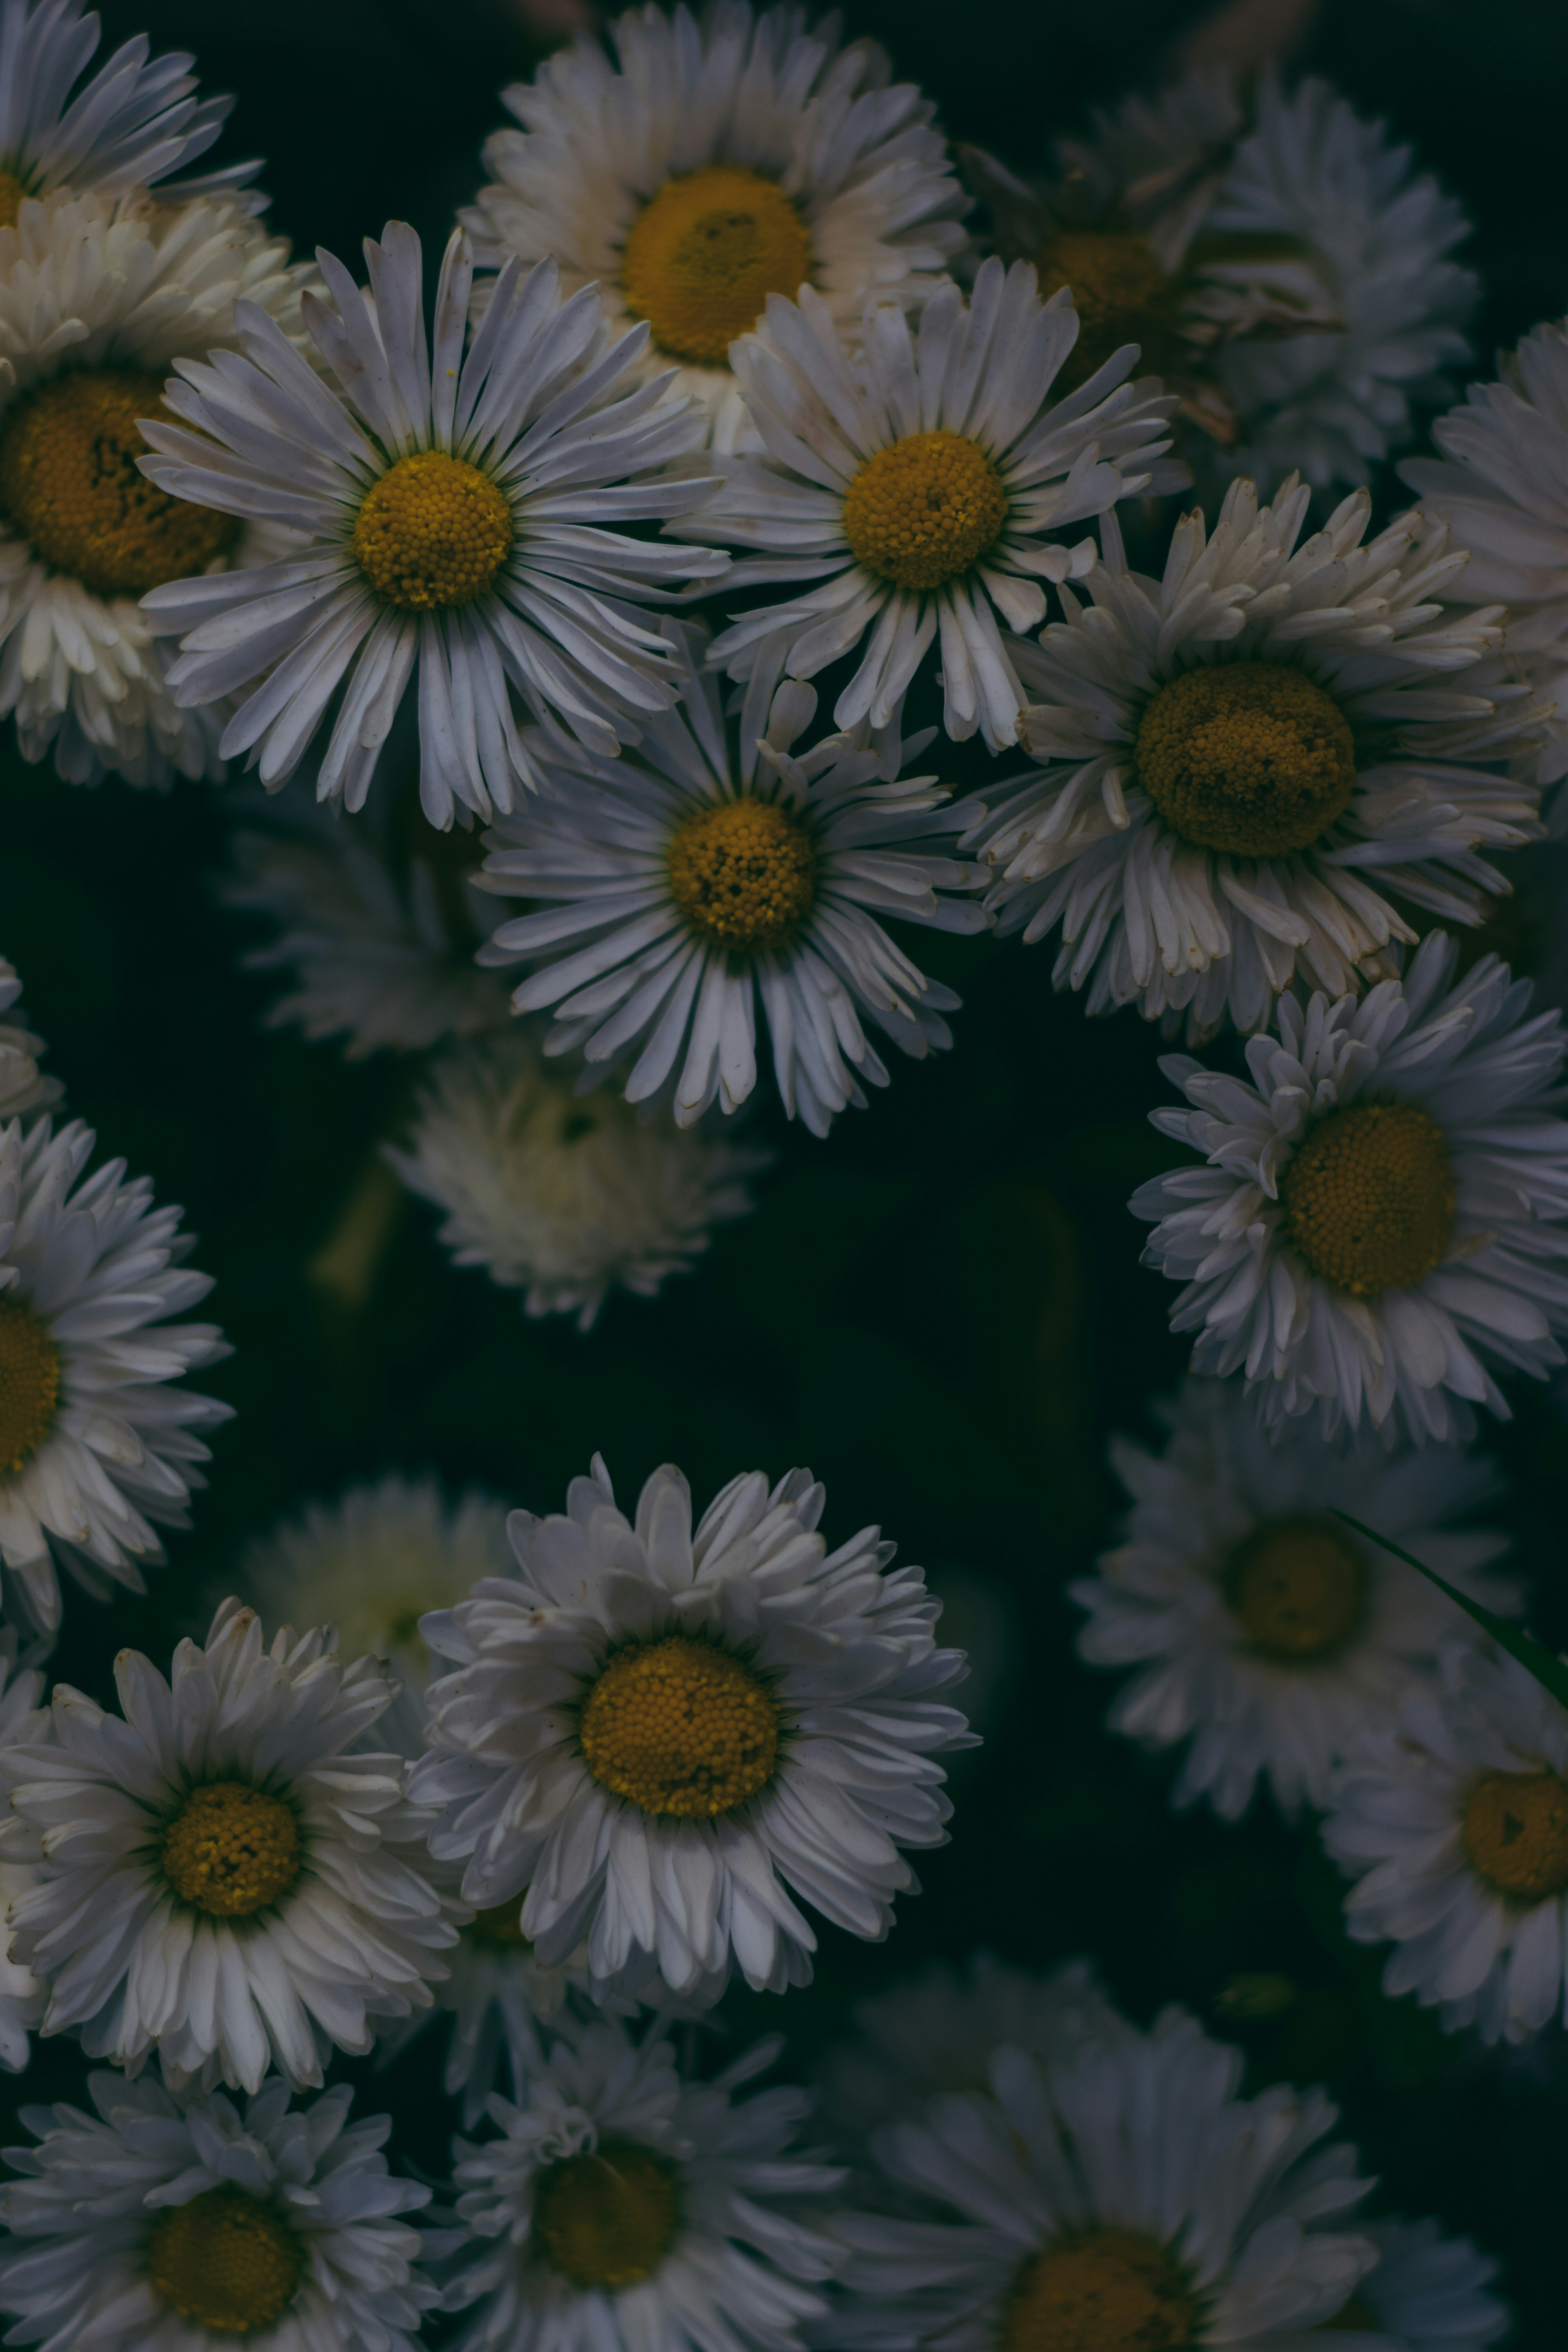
941,1309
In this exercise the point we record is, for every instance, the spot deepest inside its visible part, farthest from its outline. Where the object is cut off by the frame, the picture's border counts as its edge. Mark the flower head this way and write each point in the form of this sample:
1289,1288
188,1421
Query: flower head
23,1085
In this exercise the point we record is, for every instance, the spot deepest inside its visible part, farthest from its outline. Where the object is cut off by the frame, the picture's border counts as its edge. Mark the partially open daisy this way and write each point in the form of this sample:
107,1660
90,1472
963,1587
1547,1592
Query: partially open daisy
657,1730
221,1874
1265,1633
168,2222
23,1085
919,487
714,162
1429,2293
1383,1220
450,515
1240,760
23,1720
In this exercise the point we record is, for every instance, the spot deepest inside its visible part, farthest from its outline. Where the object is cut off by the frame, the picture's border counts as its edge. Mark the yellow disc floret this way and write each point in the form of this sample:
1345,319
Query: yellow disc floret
705,253
608,2218
13,192
231,1849
923,510
1369,1198
29,1385
1297,1588
69,484
1516,1833
679,1728
744,874
1122,296
226,2261
433,531
1249,757
1100,2290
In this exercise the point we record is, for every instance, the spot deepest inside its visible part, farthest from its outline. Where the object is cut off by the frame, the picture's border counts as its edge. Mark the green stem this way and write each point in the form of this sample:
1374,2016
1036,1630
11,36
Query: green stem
1550,1672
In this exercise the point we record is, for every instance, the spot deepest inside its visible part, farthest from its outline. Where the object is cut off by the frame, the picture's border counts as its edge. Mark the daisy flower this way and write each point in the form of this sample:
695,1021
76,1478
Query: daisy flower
448,517
23,1085
1429,2293
1453,1822
23,1721
96,1442
167,2223
220,1876
909,496
712,161
677,893
562,1197
99,296
1132,2178
621,2206
1240,760
1381,1218
656,1731
1265,1632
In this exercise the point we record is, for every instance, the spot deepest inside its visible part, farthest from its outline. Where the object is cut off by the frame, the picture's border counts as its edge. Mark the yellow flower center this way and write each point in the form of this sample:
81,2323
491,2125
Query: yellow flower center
679,1728
608,2218
1516,1833
1247,757
1122,296
1369,1198
231,1849
744,874
70,485
703,255
433,531
1100,2290
29,1385
226,2261
1298,1587
925,509
498,1929
13,192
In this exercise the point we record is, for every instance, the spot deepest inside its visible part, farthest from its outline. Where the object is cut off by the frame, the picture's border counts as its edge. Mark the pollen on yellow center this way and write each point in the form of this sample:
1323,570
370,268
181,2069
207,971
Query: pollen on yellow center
744,874
1297,1588
1369,1198
1253,758
231,1849
679,1728
923,510
29,1385
13,192
704,253
1121,294
70,486
607,2219
433,531
1100,2290
226,2261
1516,1833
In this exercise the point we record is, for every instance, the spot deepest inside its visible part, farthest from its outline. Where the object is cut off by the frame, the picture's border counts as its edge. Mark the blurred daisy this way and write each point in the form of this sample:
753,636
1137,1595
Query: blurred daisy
1131,2180
1381,1218
656,1731
1240,761
623,2207
714,162
562,1197
23,1085
1264,1631
23,1720
677,893
449,517
1453,1821
1429,2293
96,1442
98,298
219,1874
918,487
167,2223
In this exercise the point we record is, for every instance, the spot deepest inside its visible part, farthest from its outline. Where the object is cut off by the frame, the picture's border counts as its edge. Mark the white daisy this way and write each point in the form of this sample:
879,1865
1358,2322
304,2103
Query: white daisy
1265,1633
714,162
23,1085
1382,1216
622,2207
562,1197
1453,1821
656,1731
22,1720
172,2224
96,1442
221,1874
1132,2178
449,515
708,877
1429,2293
918,487
1240,760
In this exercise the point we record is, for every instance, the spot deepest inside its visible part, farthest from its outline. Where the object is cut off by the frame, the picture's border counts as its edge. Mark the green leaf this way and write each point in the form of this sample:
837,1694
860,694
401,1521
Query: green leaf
1550,1672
